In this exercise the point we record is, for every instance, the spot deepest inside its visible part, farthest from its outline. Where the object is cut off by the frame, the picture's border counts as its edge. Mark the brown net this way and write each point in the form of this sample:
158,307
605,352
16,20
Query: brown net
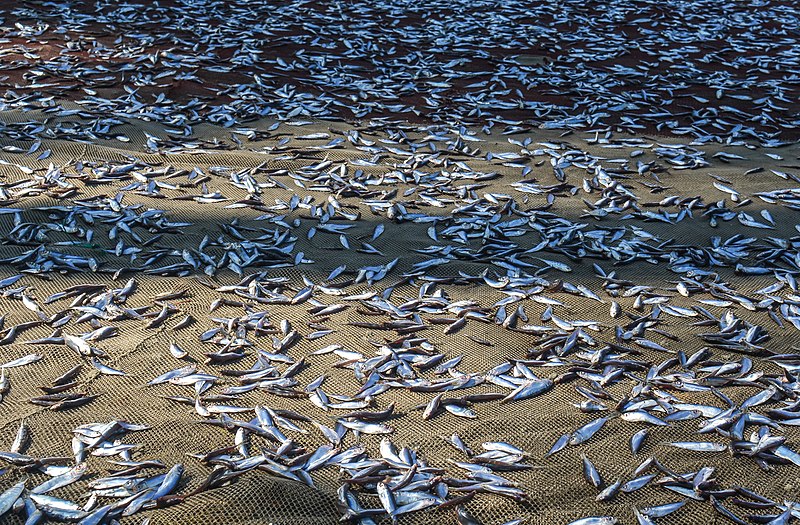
197,145
556,491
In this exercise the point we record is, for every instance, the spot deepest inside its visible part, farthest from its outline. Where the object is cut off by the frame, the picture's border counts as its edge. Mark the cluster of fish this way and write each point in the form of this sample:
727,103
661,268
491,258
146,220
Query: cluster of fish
690,69
398,480
502,243
140,235
130,485
462,212
700,485
400,364
475,232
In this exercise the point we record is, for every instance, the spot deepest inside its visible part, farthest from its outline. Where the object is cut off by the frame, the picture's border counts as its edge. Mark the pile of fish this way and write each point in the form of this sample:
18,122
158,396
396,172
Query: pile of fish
709,70
129,485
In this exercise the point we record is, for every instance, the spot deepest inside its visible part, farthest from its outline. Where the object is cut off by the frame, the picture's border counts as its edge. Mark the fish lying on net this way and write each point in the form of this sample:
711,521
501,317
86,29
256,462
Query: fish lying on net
424,266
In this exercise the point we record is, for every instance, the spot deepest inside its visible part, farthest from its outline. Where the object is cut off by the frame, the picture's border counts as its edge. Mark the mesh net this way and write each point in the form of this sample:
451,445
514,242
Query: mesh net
142,124
557,492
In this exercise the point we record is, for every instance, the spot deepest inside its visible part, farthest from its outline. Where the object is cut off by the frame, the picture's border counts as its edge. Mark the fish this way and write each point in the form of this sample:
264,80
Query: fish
177,351
586,432
591,474
105,369
637,440
62,480
636,483
700,446
529,389
20,439
595,520
610,492
10,496
659,511
5,383
21,361
467,190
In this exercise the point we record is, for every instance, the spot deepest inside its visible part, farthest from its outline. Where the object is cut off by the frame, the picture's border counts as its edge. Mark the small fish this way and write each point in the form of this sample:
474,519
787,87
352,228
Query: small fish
386,498
5,383
171,480
659,511
699,446
610,492
173,374
459,444
591,474
21,438
529,389
595,520
637,483
10,496
366,427
586,432
177,351
379,228
637,440
78,344
105,369
62,480
22,361
642,417
183,323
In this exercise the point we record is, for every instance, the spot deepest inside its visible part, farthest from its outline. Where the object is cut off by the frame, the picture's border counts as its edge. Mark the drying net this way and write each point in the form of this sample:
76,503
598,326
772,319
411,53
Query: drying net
554,489
391,255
